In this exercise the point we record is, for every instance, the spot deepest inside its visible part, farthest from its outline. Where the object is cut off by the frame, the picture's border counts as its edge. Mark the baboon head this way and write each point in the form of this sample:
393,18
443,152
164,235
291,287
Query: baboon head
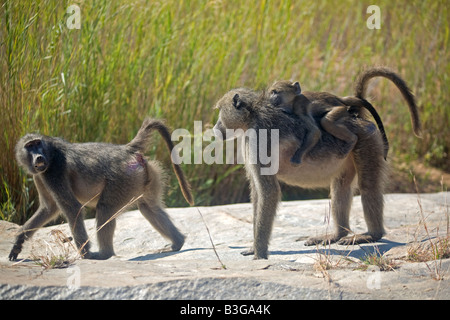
235,110
282,93
31,153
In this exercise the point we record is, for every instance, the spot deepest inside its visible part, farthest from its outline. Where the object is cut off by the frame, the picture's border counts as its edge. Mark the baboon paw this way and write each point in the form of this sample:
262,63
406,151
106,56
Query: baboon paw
97,255
14,254
295,162
256,255
321,240
358,239
177,245
260,257
248,252
168,248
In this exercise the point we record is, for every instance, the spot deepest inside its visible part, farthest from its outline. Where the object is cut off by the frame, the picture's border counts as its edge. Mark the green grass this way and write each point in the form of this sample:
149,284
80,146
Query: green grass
174,59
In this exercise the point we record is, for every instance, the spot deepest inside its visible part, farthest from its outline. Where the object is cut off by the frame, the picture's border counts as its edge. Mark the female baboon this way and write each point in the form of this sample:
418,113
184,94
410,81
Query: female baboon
331,162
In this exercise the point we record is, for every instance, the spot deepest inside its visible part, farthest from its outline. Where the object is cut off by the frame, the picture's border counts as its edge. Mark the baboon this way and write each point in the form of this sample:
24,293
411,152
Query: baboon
287,96
99,175
323,107
332,163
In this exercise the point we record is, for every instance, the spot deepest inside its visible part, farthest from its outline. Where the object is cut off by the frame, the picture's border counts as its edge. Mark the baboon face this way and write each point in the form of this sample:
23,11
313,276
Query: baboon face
282,93
235,109
31,154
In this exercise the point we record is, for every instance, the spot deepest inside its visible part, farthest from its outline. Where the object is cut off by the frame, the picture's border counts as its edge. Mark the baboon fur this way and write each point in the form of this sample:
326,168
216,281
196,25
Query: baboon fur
107,177
324,108
333,163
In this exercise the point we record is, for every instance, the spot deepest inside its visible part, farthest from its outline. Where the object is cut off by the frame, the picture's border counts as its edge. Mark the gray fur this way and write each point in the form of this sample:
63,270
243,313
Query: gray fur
98,175
326,109
332,163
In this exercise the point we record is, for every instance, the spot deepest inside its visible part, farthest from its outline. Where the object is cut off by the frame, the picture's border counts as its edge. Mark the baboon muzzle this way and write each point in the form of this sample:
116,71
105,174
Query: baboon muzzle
39,163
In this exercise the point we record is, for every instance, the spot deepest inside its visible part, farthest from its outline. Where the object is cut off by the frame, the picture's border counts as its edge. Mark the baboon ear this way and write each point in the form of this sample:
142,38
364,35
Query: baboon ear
237,102
297,88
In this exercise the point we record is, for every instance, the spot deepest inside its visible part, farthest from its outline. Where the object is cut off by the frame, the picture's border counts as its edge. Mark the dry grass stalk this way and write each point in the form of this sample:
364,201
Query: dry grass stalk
212,243
59,252
436,247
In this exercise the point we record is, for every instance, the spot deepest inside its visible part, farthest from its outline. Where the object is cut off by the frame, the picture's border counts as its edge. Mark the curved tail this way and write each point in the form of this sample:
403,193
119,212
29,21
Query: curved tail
366,75
363,103
141,143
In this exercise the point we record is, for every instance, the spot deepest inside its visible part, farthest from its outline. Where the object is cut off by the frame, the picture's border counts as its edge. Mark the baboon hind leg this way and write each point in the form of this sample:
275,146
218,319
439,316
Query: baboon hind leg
105,231
311,138
371,169
341,201
111,203
160,220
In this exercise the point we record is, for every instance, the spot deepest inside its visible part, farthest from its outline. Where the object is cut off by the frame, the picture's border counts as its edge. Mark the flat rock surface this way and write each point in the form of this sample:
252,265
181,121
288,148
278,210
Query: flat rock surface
293,271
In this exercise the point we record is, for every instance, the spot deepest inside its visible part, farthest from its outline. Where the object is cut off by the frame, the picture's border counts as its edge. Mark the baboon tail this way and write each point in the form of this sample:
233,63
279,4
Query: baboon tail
141,142
366,75
380,125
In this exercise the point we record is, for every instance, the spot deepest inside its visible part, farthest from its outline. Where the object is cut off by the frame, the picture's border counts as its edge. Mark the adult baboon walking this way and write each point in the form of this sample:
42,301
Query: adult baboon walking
103,176
331,163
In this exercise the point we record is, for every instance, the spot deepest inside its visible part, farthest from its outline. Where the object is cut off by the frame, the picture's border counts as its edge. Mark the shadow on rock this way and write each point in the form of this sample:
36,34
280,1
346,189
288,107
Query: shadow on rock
158,255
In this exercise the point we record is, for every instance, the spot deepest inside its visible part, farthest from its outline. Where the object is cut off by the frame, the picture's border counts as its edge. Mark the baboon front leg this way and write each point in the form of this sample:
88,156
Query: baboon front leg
41,217
160,220
268,190
254,200
341,202
73,211
46,212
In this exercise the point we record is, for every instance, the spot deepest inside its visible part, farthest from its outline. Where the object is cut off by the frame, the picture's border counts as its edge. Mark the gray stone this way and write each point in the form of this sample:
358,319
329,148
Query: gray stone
293,271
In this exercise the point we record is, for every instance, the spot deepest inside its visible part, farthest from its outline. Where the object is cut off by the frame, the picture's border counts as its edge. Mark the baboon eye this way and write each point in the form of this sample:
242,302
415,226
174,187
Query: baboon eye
273,92
33,143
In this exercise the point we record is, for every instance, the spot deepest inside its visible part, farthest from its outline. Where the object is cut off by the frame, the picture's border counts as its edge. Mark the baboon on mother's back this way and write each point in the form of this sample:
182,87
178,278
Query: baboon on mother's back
327,109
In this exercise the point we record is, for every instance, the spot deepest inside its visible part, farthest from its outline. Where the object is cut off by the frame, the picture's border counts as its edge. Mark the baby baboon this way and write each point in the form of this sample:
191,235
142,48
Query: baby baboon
331,162
323,107
105,176
287,96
